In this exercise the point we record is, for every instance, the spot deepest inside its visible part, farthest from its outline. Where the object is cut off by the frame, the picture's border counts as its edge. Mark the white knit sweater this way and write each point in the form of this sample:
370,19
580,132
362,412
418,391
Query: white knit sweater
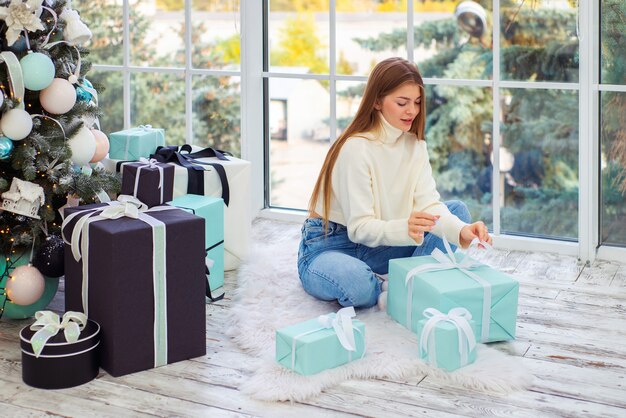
378,179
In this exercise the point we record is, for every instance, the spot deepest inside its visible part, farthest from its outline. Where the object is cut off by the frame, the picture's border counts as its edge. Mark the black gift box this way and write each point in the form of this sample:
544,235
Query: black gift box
121,292
148,190
61,364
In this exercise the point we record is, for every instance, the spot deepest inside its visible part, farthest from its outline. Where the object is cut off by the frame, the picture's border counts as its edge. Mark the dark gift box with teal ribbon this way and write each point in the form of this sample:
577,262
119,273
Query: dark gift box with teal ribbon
140,274
60,353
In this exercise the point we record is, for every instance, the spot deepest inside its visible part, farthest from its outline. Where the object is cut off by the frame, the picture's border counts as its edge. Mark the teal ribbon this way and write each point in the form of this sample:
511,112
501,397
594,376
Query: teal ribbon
16,80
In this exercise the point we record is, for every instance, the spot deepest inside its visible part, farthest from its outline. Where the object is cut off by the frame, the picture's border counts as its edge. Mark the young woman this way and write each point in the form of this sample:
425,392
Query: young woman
375,198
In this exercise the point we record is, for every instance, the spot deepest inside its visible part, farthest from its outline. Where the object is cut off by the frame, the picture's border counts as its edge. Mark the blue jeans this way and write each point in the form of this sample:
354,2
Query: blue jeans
331,267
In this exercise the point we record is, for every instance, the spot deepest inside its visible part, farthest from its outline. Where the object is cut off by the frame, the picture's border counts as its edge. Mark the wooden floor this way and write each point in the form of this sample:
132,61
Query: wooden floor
571,335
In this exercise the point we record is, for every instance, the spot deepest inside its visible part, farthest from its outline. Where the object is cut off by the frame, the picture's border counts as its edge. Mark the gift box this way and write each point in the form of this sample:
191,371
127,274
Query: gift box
141,275
417,283
135,143
447,341
321,343
206,180
212,210
57,360
149,181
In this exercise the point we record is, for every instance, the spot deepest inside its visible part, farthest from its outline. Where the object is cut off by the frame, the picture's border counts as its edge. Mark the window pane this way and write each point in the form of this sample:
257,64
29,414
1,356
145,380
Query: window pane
613,36
110,99
349,95
105,20
159,100
298,36
539,163
451,47
613,166
459,141
299,139
362,34
216,113
156,31
215,34
539,40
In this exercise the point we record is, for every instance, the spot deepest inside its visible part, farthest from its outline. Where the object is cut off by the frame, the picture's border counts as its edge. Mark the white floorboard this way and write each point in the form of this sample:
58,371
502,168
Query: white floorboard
571,335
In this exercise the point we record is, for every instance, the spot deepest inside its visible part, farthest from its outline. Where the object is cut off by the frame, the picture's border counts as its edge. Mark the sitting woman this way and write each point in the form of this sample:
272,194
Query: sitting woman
375,198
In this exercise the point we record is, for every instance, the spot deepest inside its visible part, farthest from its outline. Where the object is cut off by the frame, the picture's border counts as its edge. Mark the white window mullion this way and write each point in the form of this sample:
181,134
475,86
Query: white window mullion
252,141
588,168
410,28
495,140
126,62
188,75
332,36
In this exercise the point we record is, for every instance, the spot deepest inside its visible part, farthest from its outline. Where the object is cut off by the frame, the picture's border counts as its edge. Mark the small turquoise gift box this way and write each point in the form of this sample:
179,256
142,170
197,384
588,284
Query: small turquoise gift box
321,343
447,341
135,143
212,210
446,281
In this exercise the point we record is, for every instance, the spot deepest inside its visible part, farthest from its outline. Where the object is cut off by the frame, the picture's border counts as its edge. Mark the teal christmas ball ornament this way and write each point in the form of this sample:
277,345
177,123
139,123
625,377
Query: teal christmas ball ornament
83,95
14,311
38,71
6,147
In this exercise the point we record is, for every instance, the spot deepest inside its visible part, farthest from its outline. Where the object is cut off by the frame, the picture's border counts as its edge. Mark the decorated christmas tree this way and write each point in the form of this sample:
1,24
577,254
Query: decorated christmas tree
50,145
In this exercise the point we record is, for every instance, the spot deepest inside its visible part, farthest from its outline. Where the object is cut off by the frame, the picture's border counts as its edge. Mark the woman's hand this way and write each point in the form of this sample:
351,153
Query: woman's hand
475,230
419,223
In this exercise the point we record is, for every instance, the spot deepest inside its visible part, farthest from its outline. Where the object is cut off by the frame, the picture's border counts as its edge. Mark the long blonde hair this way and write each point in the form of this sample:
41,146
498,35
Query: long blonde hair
386,77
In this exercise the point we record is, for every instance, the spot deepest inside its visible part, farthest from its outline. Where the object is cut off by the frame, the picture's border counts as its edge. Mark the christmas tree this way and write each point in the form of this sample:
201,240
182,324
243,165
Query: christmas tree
50,144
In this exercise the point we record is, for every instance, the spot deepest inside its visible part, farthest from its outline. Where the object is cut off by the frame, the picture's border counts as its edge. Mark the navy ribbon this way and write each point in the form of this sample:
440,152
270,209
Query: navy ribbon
184,157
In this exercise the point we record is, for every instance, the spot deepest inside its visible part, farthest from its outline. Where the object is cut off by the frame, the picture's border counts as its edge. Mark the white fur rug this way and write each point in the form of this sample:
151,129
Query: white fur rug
269,296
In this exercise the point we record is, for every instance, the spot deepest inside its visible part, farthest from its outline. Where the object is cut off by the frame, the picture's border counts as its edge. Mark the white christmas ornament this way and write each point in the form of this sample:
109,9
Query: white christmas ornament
59,97
25,285
83,146
16,124
75,32
21,15
23,198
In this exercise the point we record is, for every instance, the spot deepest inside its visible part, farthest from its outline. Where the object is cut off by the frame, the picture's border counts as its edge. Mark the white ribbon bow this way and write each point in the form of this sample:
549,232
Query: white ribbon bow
341,323
48,324
149,163
145,127
459,317
448,262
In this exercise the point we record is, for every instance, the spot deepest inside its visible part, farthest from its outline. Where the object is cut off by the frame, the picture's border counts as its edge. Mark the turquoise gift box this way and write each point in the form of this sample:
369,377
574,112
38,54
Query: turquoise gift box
316,348
135,143
212,210
444,341
451,288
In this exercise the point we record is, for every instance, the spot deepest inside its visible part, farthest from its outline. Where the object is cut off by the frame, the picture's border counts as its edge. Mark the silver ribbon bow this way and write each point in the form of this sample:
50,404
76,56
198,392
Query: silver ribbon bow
48,324
448,262
459,317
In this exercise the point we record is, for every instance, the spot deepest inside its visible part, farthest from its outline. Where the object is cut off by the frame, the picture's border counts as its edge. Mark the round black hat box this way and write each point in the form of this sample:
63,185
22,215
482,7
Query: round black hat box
61,364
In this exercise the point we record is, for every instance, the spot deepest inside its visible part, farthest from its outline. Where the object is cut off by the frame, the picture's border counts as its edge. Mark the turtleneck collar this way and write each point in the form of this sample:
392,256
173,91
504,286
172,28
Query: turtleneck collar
388,134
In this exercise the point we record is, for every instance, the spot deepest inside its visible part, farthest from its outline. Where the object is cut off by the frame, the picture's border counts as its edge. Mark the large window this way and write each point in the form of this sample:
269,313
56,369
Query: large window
500,88
157,67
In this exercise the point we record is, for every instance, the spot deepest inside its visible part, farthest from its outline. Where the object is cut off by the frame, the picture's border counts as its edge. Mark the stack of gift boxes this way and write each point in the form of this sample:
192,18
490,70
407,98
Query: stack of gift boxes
450,301
140,268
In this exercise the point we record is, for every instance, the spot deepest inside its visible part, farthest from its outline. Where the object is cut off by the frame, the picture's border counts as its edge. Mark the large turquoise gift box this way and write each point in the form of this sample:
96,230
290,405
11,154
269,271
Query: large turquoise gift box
212,210
135,143
321,343
448,281
447,341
